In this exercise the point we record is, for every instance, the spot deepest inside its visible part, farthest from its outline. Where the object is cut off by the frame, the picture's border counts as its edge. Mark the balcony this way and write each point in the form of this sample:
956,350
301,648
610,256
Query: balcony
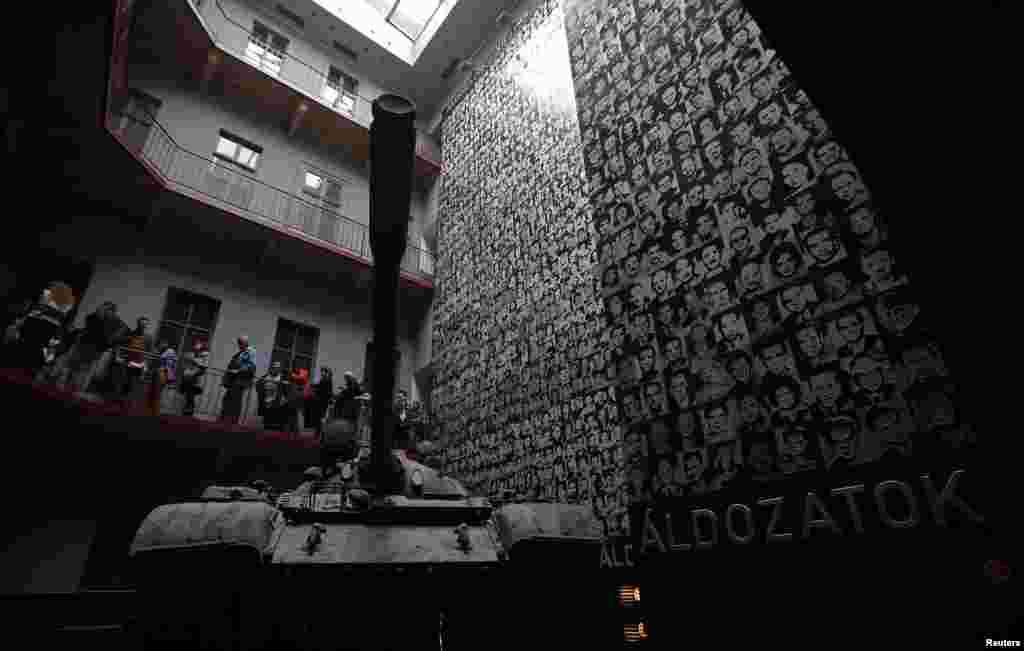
220,184
216,46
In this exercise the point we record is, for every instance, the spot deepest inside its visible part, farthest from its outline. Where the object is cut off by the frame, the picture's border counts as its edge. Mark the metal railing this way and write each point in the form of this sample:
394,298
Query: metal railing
225,185
230,35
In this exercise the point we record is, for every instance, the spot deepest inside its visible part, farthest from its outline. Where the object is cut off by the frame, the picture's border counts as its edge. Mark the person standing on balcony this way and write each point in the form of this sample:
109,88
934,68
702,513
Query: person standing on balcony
237,381
193,369
137,367
322,392
111,333
272,389
85,353
297,399
164,376
31,333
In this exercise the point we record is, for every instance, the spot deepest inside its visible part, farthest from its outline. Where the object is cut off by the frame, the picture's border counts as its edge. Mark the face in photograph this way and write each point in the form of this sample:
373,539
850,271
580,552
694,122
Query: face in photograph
865,227
848,189
797,176
654,399
741,134
797,301
785,262
717,423
897,310
706,228
878,267
823,247
841,440
776,359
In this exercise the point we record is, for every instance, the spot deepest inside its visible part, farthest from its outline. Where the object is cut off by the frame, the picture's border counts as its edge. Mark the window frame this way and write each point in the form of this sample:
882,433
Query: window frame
241,143
401,31
266,45
188,325
341,88
292,352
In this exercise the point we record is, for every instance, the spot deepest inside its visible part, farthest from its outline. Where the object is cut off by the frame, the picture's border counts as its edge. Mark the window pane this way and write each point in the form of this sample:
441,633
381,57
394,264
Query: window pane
351,84
419,11
279,43
409,27
283,356
245,156
204,313
253,160
334,76
383,6
177,306
332,193
330,94
226,148
285,335
411,16
254,52
171,334
306,344
346,103
313,182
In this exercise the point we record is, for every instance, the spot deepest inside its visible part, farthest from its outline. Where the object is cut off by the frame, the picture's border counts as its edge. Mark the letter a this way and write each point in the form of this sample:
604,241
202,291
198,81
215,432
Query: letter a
813,506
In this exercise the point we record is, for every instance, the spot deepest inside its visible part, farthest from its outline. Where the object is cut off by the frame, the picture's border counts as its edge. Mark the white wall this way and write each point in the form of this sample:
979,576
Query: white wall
194,121
300,47
248,306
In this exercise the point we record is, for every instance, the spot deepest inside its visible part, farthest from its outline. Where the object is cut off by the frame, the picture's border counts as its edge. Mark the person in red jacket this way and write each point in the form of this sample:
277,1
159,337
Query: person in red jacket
300,380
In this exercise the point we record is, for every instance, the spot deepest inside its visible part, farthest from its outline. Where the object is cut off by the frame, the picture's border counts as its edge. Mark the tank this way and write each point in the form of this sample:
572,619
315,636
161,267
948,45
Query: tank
374,549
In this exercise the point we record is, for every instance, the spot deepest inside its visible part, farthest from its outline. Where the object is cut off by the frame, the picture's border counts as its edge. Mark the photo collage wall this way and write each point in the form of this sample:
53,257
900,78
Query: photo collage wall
524,397
760,324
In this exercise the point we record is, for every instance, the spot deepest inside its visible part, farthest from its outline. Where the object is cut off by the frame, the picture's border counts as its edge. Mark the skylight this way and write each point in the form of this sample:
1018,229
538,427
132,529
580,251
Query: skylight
402,27
408,16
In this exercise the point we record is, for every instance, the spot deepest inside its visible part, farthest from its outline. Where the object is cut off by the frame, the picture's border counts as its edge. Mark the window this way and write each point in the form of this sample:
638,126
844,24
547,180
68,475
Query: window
407,16
318,213
295,345
292,16
237,150
187,317
266,48
340,91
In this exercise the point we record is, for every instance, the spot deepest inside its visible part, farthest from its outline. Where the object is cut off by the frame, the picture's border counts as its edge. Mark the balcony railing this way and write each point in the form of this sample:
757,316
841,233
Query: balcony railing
231,35
225,185
115,386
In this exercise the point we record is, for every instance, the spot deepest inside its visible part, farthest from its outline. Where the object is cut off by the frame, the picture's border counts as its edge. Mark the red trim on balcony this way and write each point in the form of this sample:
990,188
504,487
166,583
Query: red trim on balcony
122,419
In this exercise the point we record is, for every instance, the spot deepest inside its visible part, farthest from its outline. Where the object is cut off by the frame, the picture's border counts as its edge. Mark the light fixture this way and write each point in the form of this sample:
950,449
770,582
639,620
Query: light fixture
635,632
629,595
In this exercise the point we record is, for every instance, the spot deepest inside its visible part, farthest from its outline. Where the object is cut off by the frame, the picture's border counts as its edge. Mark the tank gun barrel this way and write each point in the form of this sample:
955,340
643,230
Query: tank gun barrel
392,152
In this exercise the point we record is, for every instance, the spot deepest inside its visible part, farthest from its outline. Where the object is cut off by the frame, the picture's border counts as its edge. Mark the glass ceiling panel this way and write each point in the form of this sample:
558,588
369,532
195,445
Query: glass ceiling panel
383,6
412,16
409,16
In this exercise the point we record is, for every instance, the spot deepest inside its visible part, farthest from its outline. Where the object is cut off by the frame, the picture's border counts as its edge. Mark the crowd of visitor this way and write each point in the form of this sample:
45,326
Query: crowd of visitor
111,361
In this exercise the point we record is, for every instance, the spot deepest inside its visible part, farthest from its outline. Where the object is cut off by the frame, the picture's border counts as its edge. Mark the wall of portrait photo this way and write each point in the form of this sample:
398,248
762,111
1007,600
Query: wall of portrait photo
524,395
761,324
